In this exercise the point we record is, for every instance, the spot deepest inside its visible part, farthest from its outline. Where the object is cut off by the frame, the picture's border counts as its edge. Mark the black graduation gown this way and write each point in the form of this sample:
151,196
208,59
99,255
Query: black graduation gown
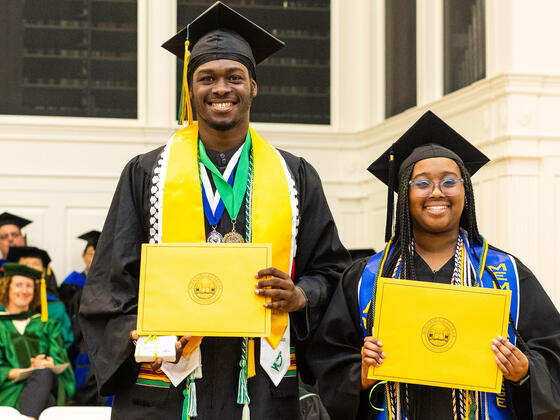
109,305
335,354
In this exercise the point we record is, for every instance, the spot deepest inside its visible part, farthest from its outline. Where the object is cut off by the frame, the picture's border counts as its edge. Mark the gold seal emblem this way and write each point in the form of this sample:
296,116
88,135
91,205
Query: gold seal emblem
439,334
205,288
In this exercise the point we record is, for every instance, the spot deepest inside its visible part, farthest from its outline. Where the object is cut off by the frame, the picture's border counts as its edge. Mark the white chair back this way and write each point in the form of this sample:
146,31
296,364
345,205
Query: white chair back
10,413
76,413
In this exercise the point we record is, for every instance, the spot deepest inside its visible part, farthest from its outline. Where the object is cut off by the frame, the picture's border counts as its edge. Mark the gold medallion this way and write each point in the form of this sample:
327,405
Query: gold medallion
439,335
205,288
233,238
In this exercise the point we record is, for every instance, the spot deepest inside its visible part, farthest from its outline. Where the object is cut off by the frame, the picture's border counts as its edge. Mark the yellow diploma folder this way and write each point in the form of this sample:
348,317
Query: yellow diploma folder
439,334
202,290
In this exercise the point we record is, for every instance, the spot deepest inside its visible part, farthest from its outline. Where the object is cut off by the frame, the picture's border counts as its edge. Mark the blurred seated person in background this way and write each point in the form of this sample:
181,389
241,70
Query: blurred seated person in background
75,281
436,240
39,259
71,293
27,342
10,234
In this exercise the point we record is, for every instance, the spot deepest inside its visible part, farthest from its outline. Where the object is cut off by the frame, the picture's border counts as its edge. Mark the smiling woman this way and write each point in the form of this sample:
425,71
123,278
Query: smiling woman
439,210
27,342
437,240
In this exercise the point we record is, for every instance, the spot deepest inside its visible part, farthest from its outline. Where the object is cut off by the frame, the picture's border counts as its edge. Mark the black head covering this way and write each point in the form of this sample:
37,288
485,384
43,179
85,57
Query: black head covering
222,33
12,219
91,238
429,137
17,252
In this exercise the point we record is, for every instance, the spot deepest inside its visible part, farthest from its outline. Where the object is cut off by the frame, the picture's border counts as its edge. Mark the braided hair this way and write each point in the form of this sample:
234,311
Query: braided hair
403,223
404,237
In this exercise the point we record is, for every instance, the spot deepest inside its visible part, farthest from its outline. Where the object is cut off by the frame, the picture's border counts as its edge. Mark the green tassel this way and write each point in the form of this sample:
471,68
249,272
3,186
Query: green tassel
185,411
242,391
473,407
192,399
189,400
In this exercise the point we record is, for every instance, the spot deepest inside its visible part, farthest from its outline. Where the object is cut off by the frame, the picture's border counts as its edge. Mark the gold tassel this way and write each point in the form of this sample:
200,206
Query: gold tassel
185,94
44,307
191,345
251,359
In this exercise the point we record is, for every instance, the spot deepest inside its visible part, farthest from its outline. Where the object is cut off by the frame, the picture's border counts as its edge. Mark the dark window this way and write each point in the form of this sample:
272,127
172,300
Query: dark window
400,56
69,58
294,84
464,43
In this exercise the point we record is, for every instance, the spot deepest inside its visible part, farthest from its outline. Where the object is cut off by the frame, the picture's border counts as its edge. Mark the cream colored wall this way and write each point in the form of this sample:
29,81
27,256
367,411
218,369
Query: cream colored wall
62,172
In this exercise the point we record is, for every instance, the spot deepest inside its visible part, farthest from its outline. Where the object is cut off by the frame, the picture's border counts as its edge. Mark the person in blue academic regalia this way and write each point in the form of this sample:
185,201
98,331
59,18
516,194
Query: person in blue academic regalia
70,293
75,281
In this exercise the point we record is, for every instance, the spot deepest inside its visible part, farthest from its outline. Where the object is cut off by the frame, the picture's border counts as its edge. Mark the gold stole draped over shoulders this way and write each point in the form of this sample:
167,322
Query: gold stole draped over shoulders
182,216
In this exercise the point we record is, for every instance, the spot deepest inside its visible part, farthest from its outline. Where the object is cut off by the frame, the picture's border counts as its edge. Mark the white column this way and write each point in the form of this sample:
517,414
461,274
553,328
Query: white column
535,34
429,50
376,62
352,66
160,80
498,37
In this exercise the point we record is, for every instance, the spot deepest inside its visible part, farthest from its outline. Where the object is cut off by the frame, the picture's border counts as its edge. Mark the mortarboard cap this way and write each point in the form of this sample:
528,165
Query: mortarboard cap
12,219
17,252
14,269
91,237
220,33
429,137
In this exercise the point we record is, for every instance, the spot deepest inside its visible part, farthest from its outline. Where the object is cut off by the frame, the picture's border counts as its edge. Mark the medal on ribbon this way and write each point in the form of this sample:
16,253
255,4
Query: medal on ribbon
229,192
211,201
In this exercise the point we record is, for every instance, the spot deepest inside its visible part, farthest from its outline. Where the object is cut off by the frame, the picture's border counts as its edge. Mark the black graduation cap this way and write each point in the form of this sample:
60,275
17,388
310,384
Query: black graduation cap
17,252
14,269
429,137
12,219
220,33
91,238
220,16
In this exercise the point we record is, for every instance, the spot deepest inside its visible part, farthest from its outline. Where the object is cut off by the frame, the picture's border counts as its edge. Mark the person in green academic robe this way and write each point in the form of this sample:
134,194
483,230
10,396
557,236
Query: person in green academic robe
39,259
26,341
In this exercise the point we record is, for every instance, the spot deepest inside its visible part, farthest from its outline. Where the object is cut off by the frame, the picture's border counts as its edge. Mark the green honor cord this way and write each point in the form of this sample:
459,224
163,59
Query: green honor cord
232,197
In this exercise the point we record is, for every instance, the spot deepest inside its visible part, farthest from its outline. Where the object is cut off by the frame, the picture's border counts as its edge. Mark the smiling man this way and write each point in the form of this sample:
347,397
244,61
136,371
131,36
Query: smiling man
10,233
216,180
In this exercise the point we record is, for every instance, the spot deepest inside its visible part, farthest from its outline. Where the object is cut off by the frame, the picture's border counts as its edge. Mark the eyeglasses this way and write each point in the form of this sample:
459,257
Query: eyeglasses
14,235
424,187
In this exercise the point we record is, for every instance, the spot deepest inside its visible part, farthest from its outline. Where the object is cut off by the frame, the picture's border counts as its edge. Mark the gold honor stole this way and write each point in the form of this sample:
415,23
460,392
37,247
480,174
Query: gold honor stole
182,214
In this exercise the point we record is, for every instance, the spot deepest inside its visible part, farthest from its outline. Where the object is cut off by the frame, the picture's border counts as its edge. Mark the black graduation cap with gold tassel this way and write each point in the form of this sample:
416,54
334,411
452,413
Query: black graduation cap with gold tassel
428,137
16,253
219,33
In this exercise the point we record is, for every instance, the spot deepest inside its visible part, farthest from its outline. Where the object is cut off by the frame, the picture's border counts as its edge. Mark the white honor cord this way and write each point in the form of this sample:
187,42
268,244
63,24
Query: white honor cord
214,197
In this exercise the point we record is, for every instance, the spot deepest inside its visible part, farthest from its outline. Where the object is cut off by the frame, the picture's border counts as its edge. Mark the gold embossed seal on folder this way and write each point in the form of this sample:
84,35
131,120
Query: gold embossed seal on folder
439,334
203,289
